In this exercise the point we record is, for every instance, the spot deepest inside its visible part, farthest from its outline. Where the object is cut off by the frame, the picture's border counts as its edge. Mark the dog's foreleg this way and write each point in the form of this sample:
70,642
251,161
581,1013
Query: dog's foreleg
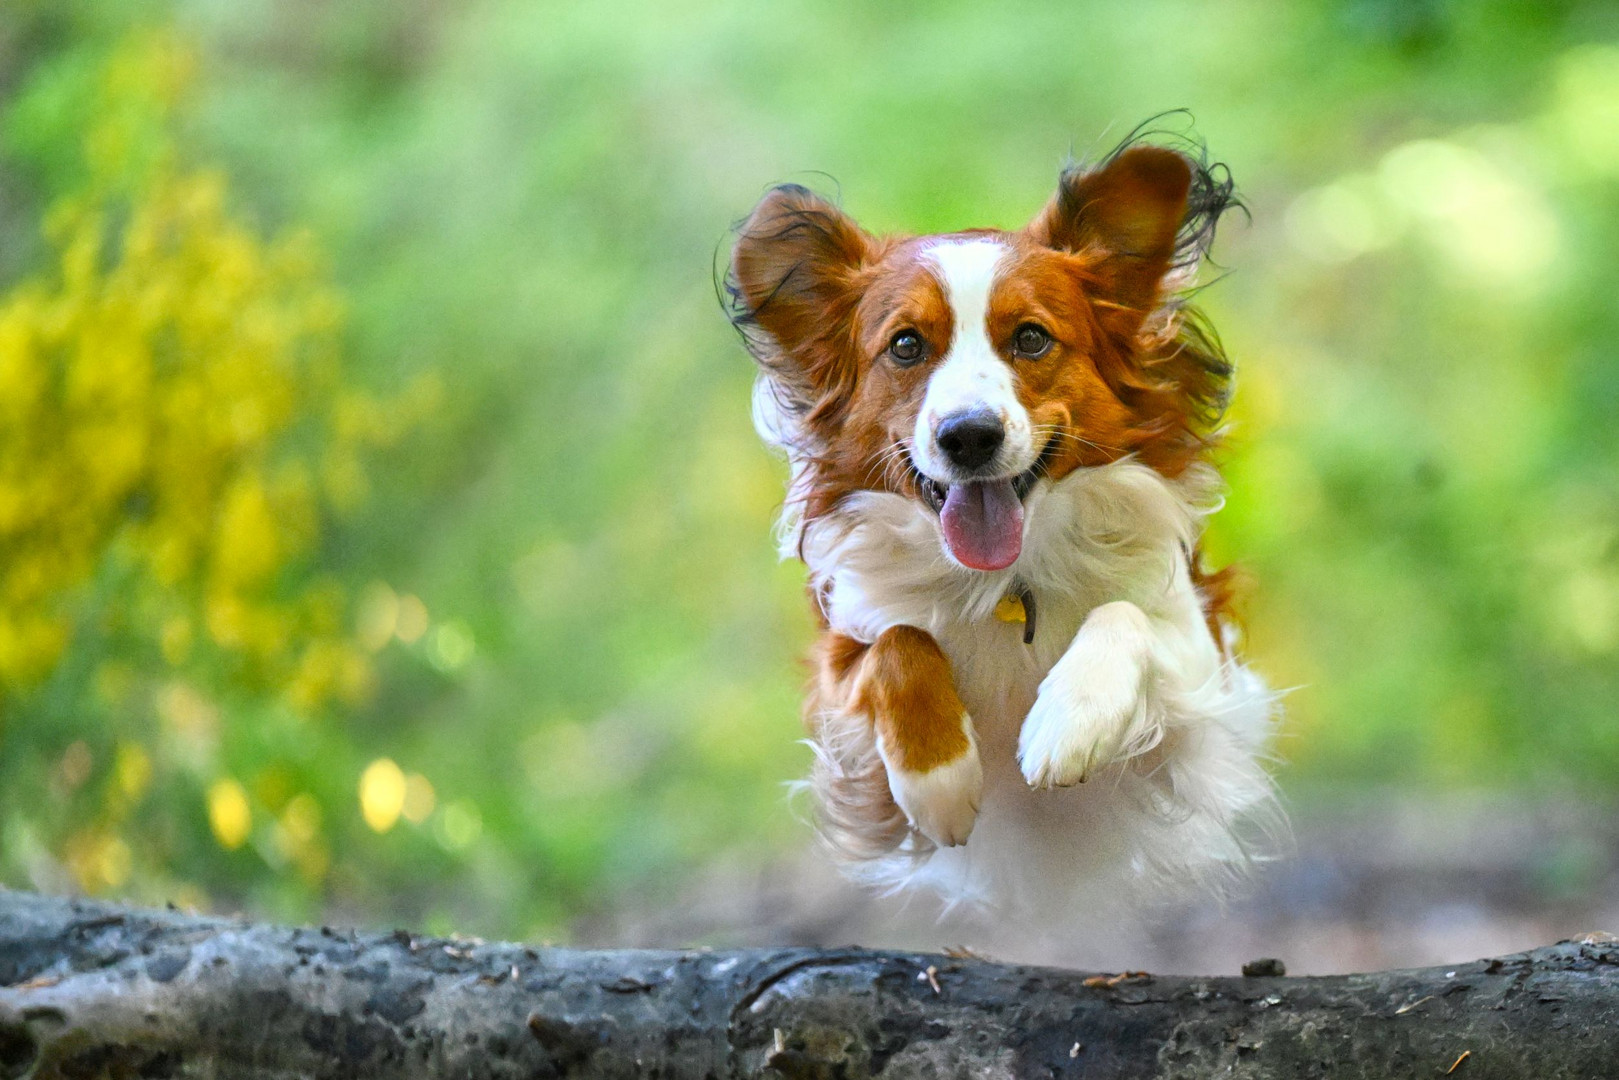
1093,703
924,735
1103,699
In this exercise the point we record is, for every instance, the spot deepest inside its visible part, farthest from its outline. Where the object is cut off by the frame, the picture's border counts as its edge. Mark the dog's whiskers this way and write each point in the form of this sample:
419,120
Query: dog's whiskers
1056,432
896,452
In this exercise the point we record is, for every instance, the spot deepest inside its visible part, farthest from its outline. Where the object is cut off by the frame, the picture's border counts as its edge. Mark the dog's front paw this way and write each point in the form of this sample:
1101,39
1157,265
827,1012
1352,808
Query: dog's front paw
1092,706
940,802
1078,725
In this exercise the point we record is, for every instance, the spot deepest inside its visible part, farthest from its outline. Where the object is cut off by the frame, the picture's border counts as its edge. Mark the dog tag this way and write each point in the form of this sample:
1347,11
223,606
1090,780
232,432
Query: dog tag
1010,609
1018,607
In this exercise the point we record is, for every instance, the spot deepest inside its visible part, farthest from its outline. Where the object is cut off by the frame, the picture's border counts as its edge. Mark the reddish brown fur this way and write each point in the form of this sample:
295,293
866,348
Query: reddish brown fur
1129,375
899,687
904,685
857,815
1220,590
1132,372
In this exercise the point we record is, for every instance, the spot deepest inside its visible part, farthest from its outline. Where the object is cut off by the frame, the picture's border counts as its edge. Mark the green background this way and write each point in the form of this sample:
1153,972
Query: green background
524,203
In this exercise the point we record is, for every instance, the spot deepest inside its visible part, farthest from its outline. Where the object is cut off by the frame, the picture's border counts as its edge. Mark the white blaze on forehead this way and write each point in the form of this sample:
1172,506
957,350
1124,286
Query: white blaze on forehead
973,377
967,271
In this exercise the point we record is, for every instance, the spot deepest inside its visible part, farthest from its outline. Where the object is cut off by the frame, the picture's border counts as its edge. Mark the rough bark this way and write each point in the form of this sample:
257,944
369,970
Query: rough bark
94,990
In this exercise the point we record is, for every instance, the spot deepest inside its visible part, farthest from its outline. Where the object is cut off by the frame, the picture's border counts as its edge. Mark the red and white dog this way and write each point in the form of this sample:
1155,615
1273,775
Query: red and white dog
998,445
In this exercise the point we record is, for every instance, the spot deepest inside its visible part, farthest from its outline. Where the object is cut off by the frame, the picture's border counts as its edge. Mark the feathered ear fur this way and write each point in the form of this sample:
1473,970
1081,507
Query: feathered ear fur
1138,224
1126,216
792,291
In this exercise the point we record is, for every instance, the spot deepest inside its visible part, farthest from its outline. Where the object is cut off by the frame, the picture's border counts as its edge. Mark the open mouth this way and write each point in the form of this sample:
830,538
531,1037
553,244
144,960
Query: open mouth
935,494
982,520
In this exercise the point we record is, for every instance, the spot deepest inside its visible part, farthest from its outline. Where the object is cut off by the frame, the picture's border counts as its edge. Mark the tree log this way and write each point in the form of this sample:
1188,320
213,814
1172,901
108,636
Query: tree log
94,990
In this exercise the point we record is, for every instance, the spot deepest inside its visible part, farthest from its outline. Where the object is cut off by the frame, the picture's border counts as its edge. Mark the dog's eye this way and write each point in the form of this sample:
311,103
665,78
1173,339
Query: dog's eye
906,348
1031,342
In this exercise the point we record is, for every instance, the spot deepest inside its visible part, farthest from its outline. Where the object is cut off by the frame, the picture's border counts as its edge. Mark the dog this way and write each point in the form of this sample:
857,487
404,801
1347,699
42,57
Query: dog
1025,695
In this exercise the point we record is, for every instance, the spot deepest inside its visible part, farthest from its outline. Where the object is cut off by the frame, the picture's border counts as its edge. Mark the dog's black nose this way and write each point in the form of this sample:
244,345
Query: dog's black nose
970,439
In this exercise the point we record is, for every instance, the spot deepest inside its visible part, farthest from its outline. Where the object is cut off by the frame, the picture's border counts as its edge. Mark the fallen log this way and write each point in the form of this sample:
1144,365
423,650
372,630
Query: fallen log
96,990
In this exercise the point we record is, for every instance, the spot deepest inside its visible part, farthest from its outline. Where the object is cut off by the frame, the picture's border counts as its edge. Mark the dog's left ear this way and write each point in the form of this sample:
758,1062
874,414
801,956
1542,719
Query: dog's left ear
1126,214
792,282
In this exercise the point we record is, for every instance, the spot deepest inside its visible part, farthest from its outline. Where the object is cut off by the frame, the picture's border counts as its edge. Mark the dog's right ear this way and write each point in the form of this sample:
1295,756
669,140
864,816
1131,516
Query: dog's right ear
793,288
1127,215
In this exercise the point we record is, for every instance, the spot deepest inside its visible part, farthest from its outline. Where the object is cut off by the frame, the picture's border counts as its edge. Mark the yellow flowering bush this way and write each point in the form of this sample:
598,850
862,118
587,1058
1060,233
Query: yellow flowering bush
175,435
171,402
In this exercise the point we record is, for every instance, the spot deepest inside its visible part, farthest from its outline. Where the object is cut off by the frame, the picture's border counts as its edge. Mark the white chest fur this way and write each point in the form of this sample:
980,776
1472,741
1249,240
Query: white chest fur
1182,772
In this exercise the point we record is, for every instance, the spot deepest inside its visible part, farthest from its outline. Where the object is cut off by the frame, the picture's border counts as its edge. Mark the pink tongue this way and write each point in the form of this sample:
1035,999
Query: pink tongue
983,524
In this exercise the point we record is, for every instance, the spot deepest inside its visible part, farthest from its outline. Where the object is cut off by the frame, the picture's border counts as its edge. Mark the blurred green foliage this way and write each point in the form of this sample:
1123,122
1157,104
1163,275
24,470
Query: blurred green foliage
476,437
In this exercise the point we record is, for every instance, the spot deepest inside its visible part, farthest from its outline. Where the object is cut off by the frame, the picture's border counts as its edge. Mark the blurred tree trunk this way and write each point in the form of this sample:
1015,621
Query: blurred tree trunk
94,990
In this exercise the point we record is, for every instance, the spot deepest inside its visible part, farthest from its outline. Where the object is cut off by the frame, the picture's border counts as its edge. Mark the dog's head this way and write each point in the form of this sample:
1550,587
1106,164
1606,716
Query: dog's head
963,370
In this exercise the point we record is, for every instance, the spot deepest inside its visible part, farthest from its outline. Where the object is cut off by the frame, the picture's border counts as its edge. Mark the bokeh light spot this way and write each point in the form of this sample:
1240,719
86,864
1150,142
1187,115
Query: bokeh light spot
411,621
382,794
419,799
301,818
133,769
229,815
74,768
451,646
459,826
378,617
115,863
